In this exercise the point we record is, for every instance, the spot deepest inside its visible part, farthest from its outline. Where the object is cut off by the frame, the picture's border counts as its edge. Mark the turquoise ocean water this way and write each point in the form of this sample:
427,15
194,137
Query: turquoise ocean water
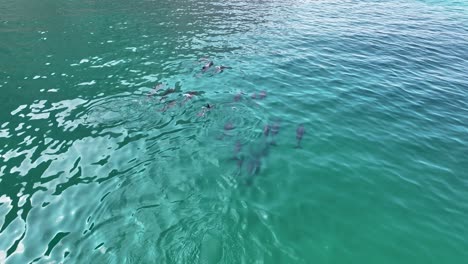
99,166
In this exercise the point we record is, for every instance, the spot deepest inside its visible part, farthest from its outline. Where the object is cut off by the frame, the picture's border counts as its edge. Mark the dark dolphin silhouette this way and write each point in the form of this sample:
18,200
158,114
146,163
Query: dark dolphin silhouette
228,126
299,134
275,129
238,97
266,130
253,166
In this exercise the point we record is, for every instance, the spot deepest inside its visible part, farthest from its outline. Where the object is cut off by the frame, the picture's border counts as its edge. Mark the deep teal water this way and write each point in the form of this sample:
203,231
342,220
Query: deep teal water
93,171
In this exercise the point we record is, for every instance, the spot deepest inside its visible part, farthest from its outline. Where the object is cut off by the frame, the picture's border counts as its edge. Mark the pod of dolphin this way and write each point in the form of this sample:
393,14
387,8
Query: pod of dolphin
251,163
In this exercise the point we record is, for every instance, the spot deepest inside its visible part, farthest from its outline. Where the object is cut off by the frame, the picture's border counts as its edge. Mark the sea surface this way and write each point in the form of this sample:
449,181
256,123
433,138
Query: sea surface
235,131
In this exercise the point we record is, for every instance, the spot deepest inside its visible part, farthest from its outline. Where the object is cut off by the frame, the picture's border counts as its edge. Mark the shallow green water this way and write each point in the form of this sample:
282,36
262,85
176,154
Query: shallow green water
95,167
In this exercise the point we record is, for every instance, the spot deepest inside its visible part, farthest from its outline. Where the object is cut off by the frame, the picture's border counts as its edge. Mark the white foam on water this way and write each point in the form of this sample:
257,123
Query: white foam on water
21,107
5,199
88,83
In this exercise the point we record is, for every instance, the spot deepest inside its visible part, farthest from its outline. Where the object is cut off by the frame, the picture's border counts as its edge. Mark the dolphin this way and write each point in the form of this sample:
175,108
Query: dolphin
167,92
187,96
240,161
275,129
228,126
238,97
155,89
207,66
253,166
272,130
264,151
205,109
238,147
168,105
237,156
299,134
254,162
266,130
220,69
194,93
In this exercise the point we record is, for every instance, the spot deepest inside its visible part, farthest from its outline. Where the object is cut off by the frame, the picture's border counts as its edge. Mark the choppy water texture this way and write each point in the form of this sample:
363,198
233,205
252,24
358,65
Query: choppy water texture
97,166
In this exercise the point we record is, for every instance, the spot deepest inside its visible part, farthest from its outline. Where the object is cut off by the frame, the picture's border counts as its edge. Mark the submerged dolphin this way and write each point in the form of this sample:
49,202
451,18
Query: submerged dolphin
253,166
272,131
237,154
275,129
228,126
266,130
168,105
238,147
299,134
238,97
